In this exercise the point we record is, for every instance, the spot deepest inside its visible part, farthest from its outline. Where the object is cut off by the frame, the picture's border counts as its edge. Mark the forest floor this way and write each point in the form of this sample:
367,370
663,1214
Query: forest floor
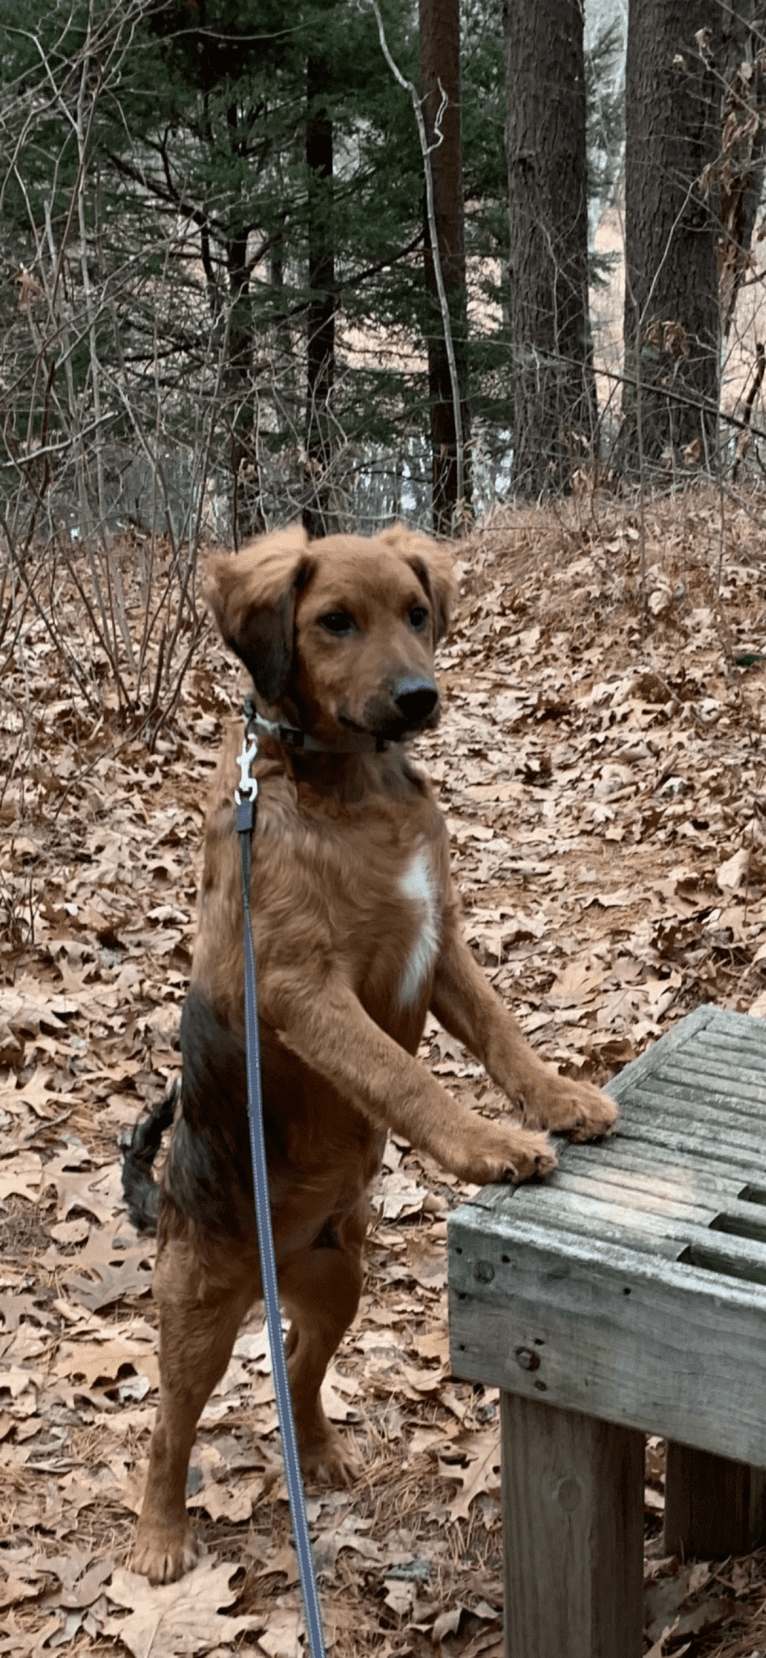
601,764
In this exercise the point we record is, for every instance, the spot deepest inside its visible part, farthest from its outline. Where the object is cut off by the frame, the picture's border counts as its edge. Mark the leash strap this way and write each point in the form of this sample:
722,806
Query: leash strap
245,820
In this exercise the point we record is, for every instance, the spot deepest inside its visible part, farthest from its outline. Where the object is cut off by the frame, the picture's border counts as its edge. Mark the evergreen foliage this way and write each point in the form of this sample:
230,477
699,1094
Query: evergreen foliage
154,184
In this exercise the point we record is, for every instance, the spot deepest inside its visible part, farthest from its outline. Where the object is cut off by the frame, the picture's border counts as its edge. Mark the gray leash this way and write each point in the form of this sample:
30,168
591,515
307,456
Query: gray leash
246,796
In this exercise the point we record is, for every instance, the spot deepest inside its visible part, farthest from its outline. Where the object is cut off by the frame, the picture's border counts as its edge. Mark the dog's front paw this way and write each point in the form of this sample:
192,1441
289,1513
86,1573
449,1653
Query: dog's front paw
329,1459
163,1553
500,1152
573,1108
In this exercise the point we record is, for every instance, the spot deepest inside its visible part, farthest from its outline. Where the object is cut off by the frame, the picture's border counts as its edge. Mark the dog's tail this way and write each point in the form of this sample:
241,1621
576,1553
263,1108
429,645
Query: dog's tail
142,1193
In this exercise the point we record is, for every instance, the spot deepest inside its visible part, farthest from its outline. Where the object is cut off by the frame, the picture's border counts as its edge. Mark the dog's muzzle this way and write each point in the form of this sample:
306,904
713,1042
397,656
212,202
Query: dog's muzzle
416,700
408,705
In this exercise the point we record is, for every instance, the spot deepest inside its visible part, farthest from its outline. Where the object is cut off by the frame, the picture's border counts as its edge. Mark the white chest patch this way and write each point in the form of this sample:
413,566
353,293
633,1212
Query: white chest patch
418,884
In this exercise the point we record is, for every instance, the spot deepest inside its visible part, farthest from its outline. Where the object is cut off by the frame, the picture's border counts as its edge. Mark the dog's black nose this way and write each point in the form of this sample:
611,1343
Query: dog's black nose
415,699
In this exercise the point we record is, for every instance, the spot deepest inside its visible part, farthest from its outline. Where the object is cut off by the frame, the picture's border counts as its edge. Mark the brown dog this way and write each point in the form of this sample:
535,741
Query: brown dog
357,936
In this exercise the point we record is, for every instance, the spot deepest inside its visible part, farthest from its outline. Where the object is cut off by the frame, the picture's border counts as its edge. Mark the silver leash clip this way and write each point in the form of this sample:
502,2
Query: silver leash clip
247,788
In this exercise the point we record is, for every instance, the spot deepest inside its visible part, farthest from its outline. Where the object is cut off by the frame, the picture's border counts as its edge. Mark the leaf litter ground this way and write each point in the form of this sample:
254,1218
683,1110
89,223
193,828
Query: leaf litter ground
601,766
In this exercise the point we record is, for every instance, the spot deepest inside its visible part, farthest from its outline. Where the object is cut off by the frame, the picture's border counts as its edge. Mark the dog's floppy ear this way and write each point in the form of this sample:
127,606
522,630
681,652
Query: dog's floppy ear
252,596
432,564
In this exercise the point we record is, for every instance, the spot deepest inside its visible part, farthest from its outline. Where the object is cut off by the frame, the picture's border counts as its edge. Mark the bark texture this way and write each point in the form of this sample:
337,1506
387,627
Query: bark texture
743,146
321,311
248,519
673,134
440,62
554,403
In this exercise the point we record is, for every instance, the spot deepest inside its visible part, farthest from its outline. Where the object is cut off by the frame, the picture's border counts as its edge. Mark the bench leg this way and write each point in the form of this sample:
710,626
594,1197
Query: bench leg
573,1502
713,1507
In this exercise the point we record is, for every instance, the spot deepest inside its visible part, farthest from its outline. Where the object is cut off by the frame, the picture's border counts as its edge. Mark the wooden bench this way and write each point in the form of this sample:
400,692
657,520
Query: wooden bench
625,1296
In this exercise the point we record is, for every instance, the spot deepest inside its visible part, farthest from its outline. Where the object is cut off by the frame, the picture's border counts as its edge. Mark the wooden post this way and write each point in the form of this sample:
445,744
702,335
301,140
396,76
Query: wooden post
713,1507
573,1492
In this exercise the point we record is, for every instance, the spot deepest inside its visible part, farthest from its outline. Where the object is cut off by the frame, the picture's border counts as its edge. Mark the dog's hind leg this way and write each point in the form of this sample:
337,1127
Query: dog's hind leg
200,1311
320,1289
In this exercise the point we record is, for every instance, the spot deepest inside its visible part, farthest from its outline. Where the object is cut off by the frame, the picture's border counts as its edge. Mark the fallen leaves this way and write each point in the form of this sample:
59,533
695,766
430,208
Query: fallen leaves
478,1472
21,1175
733,873
601,770
676,1606
167,1620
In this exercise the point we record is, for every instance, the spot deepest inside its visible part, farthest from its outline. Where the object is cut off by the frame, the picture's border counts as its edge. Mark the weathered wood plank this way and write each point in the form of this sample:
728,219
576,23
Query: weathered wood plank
644,1156
713,1507
738,1092
672,1201
736,1134
644,1342
652,1180
734,1245
574,1208
752,1045
615,1228
649,1179
732,1070
670,1128
691,1102
573,1534
645,1212
741,1220
647,1147
734,1231
740,1025
700,1140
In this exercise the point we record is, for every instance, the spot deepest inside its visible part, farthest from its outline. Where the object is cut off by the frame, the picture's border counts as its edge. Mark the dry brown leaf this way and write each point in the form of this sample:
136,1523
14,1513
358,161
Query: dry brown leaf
480,1477
400,1596
103,1361
21,1175
433,1344
658,1648
281,1636
399,1194
15,1589
732,874
347,1535
232,1500
169,1619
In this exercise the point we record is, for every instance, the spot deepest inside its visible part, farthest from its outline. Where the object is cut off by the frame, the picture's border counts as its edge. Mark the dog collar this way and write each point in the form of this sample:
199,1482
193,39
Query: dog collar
291,736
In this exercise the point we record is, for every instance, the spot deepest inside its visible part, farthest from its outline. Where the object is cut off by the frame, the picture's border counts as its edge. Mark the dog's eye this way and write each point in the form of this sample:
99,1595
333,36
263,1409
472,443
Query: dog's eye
418,617
337,621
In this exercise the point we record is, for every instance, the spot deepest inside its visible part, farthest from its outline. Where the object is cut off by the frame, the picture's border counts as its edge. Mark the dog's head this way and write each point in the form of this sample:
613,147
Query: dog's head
338,635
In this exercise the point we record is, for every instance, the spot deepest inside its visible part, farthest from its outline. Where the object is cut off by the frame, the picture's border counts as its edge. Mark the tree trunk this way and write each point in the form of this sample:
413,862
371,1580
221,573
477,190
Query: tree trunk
673,102
440,62
554,399
321,313
743,144
247,515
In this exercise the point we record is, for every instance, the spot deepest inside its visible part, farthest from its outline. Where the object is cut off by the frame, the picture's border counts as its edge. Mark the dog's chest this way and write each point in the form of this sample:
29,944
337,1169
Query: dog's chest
418,886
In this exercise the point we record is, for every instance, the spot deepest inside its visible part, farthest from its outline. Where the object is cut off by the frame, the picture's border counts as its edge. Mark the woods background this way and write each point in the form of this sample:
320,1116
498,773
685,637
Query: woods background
363,264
